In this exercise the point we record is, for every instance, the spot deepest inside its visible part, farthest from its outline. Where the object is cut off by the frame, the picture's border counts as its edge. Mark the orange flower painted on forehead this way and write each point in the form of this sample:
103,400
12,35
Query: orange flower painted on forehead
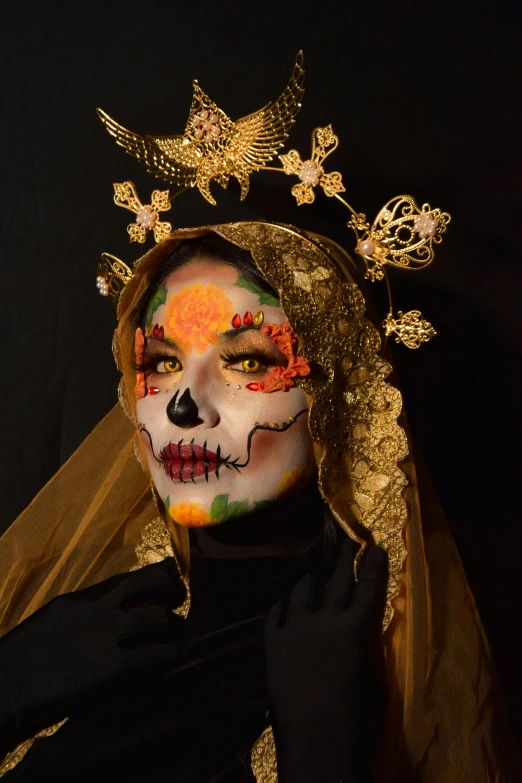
282,378
196,316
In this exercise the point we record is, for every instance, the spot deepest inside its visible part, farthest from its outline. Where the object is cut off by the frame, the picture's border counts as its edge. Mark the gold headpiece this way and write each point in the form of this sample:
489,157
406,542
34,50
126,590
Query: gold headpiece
213,147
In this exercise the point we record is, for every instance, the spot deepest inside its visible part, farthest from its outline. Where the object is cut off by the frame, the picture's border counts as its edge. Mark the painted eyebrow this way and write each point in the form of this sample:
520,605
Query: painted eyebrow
171,343
239,330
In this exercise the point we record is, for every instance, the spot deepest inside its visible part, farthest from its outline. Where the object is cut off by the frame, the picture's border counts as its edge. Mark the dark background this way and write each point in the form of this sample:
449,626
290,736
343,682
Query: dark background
425,99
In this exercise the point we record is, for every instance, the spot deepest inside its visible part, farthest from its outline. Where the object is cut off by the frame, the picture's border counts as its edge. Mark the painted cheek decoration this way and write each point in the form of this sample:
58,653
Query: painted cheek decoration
282,378
140,389
153,391
191,514
187,461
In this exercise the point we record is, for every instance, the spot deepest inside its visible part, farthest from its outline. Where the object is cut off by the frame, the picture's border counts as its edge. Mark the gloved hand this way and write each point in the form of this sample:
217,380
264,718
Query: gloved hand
324,684
81,640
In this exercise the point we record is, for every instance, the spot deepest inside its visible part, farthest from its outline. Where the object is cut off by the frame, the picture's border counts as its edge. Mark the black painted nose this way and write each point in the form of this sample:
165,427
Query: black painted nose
183,412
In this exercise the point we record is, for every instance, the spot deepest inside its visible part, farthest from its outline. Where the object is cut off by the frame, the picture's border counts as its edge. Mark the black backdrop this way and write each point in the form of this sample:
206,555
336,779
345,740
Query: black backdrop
424,98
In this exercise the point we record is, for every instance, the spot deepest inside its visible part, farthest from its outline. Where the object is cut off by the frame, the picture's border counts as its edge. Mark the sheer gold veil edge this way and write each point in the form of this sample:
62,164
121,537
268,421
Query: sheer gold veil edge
443,721
446,717
81,528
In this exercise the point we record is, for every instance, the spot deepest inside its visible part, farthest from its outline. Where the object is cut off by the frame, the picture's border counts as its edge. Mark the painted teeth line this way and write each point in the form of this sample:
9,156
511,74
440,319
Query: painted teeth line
193,465
218,453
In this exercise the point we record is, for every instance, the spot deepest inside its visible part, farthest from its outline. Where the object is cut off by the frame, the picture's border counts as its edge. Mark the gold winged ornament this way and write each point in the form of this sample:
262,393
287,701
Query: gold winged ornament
213,147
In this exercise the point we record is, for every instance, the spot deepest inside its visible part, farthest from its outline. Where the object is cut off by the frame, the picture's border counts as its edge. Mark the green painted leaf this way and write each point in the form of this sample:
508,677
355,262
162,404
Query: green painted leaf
237,509
159,298
268,299
259,505
167,503
218,510
264,297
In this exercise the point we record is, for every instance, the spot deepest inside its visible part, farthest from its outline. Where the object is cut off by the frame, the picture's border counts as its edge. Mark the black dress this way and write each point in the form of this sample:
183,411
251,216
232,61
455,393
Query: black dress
197,720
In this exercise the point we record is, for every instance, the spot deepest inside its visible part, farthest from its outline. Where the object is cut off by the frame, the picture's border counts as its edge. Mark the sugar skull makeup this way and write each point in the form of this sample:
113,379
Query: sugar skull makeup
222,420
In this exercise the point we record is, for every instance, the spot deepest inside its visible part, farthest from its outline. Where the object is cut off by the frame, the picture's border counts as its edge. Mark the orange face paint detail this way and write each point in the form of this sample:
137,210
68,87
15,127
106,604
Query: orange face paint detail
196,316
140,389
282,378
291,482
189,514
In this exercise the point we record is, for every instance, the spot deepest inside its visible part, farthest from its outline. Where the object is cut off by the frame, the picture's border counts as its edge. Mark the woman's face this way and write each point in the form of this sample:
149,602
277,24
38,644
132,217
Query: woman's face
222,421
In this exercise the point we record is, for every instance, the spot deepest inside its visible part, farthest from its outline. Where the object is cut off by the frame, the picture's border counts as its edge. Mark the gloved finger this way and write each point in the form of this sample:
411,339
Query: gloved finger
142,618
170,594
300,599
367,607
160,579
274,618
341,582
149,655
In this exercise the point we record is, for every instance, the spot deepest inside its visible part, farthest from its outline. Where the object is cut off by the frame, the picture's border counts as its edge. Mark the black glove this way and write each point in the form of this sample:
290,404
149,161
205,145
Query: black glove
81,640
324,672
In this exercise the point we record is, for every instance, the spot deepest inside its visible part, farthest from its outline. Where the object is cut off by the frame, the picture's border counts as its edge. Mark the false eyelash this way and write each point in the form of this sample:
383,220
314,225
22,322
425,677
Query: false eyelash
150,359
237,357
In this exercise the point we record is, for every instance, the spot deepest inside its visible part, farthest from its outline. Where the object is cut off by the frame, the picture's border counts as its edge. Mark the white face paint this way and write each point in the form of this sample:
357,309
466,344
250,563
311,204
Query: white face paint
215,448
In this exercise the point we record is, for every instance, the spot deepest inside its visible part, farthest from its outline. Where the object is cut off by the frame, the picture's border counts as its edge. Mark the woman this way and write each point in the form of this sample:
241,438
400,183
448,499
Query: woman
255,388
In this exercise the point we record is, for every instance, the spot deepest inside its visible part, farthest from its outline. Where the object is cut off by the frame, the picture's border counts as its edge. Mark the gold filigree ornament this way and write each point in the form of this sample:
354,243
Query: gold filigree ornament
147,215
311,172
113,276
402,235
213,147
113,273
409,328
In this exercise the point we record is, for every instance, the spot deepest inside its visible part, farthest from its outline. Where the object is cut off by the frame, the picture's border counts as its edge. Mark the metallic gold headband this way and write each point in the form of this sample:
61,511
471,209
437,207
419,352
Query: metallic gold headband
213,147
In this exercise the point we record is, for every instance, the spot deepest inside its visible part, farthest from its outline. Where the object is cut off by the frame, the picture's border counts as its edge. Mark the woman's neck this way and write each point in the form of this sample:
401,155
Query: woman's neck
287,527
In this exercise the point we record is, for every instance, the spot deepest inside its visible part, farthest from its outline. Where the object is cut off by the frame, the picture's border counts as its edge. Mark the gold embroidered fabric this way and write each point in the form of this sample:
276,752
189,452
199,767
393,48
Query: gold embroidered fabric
155,546
19,753
99,512
264,758
354,411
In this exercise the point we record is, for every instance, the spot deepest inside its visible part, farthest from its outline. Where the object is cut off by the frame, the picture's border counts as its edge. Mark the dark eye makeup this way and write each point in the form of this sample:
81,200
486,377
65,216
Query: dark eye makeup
155,353
152,356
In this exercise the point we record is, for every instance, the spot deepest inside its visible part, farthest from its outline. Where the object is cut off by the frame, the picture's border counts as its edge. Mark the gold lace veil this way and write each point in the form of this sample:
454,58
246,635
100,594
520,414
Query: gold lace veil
95,517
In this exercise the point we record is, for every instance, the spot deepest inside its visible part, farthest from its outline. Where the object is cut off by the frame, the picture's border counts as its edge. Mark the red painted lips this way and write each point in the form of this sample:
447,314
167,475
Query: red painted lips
187,461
